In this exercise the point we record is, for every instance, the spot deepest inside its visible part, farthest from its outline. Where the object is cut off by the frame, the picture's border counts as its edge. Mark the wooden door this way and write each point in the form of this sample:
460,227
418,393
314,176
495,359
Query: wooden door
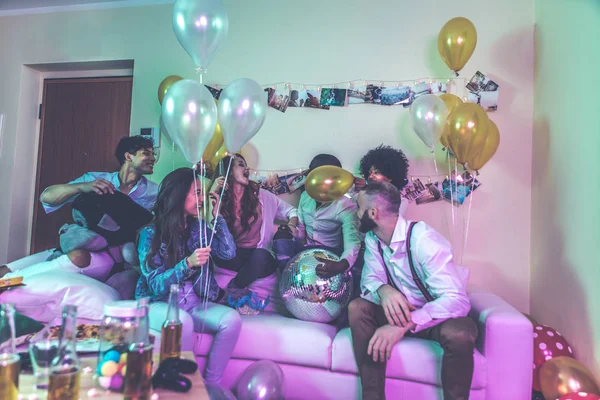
82,121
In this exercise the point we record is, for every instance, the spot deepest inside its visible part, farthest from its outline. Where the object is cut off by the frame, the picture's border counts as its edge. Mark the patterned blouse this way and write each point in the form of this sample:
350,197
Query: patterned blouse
155,282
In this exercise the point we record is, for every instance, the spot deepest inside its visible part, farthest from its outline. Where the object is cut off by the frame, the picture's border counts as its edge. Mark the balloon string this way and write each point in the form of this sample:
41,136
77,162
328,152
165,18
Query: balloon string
220,198
468,217
194,168
435,163
437,172
204,194
173,156
457,199
451,197
197,204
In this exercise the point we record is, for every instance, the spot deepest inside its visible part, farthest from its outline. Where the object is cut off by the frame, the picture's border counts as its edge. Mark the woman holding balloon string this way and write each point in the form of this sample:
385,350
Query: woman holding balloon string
176,248
250,213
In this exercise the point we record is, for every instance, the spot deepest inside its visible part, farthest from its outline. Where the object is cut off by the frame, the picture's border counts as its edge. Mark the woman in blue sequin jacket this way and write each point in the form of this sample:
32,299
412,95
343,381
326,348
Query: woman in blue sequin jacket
173,250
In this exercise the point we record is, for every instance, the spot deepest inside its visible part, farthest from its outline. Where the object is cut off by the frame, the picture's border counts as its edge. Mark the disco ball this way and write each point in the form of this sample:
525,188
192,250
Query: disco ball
309,297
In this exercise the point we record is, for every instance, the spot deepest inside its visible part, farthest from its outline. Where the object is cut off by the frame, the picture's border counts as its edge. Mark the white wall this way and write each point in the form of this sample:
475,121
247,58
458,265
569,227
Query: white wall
565,213
314,42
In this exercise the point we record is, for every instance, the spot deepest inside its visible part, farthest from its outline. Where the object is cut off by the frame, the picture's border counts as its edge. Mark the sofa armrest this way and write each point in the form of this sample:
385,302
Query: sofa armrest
506,341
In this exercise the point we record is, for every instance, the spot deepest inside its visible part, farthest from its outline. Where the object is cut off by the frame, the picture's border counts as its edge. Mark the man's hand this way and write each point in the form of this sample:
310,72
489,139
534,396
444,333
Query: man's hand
198,258
385,337
359,183
395,306
100,186
329,268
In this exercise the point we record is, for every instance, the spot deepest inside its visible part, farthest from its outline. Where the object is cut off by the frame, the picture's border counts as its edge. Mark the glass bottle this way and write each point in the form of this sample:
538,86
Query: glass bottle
116,334
65,371
170,344
9,358
138,373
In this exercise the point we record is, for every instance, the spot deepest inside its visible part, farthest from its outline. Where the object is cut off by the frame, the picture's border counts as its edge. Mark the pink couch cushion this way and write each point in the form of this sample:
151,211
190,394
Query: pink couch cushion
280,339
412,359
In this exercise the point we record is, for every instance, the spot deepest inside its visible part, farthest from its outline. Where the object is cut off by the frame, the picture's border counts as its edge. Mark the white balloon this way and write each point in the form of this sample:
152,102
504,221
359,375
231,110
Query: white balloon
200,26
428,114
242,112
189,115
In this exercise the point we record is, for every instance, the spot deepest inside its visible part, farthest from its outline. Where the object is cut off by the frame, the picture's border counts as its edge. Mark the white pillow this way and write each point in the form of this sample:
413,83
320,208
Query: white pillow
45,295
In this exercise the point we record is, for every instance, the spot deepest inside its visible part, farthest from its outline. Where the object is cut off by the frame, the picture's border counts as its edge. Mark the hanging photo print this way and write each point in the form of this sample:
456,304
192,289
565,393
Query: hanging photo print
484,92
277,99
395,96
456,190
373,94
437,87
357,95
433,192
413,190
334,97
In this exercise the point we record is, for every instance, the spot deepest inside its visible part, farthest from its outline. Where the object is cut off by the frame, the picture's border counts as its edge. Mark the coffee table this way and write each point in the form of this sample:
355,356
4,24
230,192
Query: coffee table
88,364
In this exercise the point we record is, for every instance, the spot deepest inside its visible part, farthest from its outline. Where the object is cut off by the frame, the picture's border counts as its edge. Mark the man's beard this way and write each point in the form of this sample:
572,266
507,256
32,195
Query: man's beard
366,223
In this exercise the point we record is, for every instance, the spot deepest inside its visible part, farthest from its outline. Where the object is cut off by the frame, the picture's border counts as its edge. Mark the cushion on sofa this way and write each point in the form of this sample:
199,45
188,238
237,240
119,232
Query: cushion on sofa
412,359
45,295
280,339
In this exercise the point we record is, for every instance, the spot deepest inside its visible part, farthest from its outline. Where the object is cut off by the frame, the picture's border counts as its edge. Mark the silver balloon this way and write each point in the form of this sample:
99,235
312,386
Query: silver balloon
189,115
428,114
261,380
218,392
309,297
200,26
242,111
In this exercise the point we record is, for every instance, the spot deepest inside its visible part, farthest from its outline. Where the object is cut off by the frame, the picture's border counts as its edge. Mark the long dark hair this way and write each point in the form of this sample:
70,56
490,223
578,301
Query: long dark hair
249,202
169,215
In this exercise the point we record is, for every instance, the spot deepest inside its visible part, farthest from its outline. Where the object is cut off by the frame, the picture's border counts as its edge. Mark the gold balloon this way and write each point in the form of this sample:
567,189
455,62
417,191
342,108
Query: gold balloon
165,85
492,141
456,42
451,101
328,183
564,375
214,145
466,131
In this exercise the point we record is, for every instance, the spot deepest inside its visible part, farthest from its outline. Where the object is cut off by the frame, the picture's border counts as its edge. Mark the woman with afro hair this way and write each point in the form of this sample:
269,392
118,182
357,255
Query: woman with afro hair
384,164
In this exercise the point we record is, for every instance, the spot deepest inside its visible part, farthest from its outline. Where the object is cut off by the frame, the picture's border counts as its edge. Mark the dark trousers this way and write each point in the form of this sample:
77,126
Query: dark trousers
250,265
456,336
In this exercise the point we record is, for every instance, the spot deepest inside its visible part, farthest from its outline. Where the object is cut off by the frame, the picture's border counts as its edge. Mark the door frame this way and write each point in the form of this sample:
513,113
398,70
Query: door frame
95,77
28,125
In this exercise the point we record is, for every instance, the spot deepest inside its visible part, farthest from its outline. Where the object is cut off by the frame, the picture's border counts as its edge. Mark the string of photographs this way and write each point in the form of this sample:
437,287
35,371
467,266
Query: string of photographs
454,188
482,91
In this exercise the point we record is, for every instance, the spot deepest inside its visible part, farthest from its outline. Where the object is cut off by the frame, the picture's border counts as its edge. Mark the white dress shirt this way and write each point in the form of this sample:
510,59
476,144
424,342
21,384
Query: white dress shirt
331,225
434,265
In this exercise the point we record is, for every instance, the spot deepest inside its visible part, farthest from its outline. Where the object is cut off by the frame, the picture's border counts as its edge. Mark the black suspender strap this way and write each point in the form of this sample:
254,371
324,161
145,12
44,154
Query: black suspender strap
413,272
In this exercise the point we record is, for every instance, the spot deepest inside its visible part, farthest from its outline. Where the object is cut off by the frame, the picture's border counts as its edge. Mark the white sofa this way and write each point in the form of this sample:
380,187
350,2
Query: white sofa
318,361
